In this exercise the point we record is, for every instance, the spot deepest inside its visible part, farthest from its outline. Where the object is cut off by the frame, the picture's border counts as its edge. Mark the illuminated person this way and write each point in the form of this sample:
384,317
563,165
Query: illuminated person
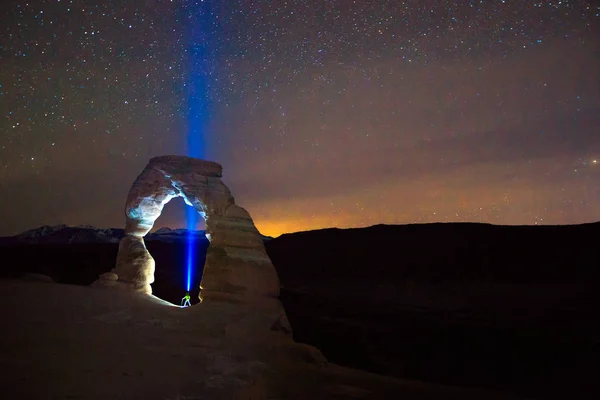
185,302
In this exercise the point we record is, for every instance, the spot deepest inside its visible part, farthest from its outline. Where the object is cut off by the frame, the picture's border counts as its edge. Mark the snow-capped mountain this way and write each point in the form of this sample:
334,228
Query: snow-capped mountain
64,234
40,232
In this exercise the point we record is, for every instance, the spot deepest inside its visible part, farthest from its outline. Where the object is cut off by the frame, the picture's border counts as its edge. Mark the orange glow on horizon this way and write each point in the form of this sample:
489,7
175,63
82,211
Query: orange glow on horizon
276,228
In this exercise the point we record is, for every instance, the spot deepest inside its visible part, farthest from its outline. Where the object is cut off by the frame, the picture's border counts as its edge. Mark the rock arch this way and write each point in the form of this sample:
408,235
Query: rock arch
236,260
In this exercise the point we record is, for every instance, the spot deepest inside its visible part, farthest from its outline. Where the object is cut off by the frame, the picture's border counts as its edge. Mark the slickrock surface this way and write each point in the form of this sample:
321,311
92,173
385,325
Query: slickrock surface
72,342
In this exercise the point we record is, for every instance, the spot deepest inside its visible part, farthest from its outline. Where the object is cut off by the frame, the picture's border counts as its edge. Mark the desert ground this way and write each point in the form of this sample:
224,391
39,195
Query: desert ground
74,342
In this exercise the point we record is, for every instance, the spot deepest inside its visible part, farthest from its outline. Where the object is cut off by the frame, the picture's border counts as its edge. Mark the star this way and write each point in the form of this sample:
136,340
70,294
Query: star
400,107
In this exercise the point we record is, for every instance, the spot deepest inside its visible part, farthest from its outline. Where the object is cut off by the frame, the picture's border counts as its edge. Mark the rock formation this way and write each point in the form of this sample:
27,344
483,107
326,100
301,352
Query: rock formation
236,261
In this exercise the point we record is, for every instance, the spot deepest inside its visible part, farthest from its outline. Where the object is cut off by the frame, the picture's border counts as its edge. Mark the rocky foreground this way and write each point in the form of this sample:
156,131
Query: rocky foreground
509,309
73,342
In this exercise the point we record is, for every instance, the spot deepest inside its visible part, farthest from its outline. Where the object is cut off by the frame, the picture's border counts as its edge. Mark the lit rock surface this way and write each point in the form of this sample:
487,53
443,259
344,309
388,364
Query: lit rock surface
89,344
236,262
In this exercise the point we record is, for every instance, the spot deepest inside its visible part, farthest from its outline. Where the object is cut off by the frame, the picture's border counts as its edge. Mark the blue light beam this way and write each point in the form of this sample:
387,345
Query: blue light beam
191,216
200,63
199,32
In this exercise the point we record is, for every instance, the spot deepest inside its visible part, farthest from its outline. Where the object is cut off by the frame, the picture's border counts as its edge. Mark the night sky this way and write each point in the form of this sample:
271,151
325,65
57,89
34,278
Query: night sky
323,113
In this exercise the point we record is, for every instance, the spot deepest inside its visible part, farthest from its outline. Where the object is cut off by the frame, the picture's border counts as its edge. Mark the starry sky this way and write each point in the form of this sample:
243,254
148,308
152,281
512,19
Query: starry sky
323,112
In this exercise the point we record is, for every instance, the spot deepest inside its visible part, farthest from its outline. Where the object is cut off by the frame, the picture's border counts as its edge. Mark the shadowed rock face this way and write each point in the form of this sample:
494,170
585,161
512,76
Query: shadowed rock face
236,260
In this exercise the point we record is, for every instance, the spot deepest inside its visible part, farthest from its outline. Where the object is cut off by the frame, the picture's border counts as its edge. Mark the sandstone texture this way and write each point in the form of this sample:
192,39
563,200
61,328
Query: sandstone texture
236,261
89,344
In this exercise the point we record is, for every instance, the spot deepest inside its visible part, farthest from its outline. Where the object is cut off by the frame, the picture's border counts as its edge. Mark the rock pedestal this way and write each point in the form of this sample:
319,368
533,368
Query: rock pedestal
236,261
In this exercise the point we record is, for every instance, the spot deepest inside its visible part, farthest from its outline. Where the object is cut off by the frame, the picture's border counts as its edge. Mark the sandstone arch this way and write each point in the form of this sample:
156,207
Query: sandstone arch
236,260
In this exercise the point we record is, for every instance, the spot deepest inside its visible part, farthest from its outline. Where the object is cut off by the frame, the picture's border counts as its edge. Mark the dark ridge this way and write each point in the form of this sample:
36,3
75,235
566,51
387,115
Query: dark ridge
511,308
440,252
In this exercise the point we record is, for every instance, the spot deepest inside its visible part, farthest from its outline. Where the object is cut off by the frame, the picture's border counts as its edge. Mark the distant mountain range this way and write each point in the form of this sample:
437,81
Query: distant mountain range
64,234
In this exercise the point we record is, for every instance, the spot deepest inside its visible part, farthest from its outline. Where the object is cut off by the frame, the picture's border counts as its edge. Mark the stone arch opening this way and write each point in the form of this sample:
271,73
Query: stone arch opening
178,245
236,261
174,216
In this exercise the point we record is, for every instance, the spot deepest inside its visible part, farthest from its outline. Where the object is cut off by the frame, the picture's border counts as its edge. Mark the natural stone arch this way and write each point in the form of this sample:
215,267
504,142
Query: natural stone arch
236,260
